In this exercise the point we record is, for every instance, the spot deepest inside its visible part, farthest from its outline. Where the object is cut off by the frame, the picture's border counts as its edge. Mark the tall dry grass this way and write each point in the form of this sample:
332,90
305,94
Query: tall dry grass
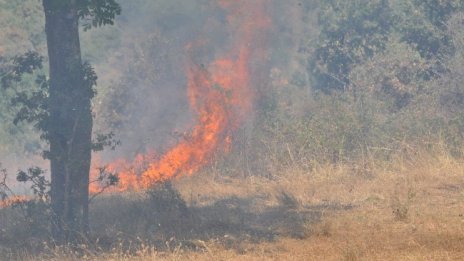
408,208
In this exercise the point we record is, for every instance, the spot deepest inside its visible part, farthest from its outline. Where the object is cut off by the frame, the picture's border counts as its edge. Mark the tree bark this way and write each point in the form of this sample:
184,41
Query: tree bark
70,123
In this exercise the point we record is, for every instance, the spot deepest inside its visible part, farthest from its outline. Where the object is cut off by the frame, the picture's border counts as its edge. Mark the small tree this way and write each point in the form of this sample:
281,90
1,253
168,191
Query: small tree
61,107
69,123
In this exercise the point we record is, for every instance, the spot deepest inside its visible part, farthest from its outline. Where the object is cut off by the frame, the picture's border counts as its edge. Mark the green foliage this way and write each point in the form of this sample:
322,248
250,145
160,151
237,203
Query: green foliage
90,80
439,11
398,62
21,64
105,140
93,13
351,32
22,25
32,214
5,190
23,22
393,77
25,90
40,186
390,105
354,31
422,24
30,97
96,13
105,180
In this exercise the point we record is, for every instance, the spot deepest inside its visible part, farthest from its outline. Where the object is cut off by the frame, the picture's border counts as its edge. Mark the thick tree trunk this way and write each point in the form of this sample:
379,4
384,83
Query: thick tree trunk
70,124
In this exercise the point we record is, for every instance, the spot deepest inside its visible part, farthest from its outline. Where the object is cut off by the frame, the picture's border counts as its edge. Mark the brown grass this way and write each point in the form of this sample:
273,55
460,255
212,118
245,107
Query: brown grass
411,208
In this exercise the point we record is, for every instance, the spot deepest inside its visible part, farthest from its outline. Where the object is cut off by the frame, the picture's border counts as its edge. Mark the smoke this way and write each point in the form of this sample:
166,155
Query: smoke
148,60
177,80
219,94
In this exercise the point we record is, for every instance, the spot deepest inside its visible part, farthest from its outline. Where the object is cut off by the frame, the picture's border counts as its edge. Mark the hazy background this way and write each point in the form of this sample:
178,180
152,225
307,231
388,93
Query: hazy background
353,149
341,79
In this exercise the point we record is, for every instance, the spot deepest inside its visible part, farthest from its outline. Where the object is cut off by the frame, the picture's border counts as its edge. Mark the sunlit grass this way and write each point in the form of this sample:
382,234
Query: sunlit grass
410,208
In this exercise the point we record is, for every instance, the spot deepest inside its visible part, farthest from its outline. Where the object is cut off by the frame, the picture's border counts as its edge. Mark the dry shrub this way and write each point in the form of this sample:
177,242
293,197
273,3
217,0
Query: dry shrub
287,200
158,214
351,254
323,229
401,202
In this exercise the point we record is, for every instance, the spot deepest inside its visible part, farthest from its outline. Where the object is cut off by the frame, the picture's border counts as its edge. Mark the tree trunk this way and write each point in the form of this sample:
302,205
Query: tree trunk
70,123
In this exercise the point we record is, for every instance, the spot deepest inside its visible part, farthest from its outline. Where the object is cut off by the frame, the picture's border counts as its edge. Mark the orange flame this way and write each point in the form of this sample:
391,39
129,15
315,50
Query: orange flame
221,97
13,201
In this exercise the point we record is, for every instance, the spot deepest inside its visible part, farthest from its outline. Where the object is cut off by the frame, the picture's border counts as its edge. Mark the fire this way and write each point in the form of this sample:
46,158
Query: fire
13,201
220,96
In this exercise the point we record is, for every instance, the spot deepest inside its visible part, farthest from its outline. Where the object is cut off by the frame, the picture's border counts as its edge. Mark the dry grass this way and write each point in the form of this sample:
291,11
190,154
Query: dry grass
407,209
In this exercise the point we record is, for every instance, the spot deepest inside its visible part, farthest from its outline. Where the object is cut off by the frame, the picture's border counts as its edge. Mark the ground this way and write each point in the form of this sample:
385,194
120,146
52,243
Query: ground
403,210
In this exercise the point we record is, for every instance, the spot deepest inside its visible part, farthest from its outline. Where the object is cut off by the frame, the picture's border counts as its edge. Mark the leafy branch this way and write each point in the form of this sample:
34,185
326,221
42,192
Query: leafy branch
40,185
105,180
97,13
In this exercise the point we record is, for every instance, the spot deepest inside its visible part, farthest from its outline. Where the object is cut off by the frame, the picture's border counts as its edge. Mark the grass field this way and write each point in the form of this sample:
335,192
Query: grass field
407,209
